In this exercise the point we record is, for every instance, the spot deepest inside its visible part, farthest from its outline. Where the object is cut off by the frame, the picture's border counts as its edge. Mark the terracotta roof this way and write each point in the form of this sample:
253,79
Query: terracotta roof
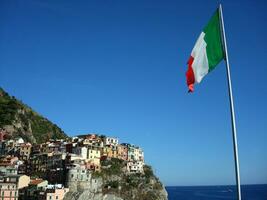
36,181
25,144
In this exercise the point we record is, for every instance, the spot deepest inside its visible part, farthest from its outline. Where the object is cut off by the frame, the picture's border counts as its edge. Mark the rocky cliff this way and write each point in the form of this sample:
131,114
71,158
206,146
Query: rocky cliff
19,120
114,183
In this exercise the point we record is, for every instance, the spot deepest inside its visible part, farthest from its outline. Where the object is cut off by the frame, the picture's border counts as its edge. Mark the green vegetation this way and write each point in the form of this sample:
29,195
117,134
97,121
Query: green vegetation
113,166
97,174
32,125
8,108
143,186
148,171
112,184
43,129
132,181
150,195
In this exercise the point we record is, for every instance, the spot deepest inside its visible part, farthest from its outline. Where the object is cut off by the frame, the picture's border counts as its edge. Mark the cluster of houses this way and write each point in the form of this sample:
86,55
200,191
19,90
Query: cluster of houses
49,170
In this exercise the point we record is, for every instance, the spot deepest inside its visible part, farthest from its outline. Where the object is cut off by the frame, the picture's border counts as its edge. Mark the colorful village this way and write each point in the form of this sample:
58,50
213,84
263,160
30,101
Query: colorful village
47,171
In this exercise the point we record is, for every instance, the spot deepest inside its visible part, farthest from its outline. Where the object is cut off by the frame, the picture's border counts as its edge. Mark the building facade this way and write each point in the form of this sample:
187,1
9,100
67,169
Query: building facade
122,152
110,141
11,184
25,151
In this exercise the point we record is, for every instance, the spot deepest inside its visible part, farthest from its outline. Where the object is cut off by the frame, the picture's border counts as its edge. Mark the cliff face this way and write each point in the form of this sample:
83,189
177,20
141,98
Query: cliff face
19,120
114,183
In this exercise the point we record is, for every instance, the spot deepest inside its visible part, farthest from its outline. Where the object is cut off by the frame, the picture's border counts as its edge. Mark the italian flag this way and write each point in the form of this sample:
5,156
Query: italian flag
207,52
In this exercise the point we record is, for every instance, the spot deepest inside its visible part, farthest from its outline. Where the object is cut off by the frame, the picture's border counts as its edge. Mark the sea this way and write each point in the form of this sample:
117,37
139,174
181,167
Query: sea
249,192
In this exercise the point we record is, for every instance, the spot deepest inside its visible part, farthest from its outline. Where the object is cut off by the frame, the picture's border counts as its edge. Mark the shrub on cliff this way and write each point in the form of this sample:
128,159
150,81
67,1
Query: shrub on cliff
112,166
148,171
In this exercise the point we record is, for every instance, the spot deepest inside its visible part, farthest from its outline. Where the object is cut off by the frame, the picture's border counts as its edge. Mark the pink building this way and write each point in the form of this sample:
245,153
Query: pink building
56,192
2,134
9,191
10,185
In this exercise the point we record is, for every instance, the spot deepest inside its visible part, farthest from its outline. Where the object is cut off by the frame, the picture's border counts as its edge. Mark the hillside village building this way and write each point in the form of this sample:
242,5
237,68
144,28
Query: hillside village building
138,154
25,150
135,167
55,192
93,140
122,152
11,184
110,141
35,187
8,170
135,153
93,158
69,163
8,160
81,151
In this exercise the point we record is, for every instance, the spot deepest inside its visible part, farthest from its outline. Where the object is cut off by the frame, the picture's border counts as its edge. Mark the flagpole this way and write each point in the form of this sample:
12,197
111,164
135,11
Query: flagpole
237,175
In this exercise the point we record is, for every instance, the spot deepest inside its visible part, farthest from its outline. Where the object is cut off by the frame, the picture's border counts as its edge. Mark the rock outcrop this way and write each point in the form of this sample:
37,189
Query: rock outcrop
114,183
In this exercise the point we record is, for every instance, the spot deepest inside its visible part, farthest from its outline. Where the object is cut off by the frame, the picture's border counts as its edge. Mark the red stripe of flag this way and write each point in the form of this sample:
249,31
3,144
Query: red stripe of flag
190,77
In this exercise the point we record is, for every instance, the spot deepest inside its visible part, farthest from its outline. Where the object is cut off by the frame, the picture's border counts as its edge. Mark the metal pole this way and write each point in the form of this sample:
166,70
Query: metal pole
231,107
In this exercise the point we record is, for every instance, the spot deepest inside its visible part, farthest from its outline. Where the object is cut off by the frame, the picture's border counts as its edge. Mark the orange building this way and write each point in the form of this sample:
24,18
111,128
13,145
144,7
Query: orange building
122,152
109,152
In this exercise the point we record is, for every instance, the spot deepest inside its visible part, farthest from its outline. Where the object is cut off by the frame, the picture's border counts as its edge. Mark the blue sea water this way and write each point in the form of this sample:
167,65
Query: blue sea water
249,192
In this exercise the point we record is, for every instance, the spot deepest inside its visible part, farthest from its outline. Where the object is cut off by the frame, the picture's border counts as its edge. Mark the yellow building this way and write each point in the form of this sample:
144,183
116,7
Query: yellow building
93,156
93,153
110,152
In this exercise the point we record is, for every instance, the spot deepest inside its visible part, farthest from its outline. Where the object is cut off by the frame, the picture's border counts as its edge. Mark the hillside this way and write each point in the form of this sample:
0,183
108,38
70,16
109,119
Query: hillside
19,120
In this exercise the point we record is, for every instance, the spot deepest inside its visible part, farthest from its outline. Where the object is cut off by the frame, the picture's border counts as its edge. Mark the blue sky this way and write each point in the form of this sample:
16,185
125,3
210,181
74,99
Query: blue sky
118,68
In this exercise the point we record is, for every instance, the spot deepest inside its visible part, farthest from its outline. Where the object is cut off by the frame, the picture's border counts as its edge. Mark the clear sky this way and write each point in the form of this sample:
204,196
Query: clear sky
118,68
